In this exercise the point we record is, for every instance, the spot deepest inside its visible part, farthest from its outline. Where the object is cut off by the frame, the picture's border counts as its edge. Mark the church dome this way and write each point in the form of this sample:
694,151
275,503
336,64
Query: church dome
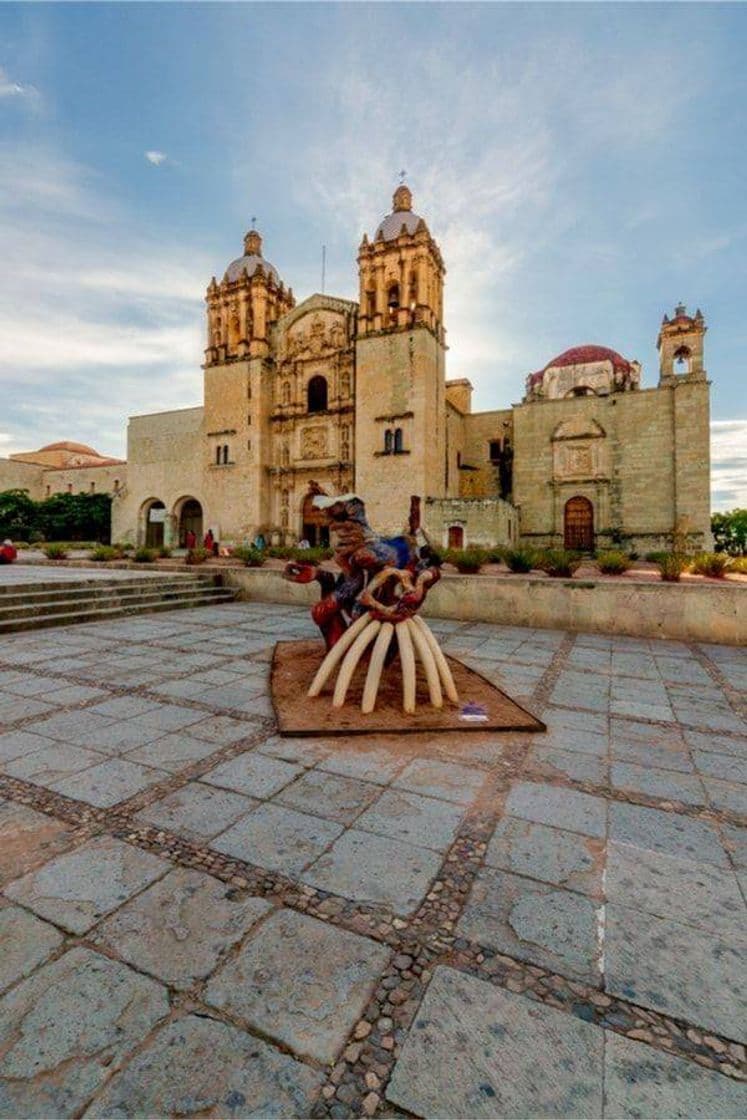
251,260
402,215
67,445
586,355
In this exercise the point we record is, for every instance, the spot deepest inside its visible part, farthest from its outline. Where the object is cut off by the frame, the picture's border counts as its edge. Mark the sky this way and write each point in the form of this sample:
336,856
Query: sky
582,167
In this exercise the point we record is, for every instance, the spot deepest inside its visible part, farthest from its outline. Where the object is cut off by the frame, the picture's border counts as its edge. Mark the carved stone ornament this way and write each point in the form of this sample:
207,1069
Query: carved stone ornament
314,443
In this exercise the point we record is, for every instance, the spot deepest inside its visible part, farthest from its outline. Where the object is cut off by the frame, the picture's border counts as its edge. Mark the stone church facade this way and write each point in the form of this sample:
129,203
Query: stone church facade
330,395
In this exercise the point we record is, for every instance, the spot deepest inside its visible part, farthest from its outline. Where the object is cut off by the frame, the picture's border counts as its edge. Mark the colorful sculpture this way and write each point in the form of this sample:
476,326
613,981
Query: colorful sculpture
375,598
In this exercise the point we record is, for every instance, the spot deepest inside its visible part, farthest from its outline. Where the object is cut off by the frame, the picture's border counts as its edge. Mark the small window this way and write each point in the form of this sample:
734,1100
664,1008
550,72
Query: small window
248,390
49,490
388,441
218,455
249,418
225,453
248,445
459,458
398,446
317,394
116,485
495,450
69,487
93,487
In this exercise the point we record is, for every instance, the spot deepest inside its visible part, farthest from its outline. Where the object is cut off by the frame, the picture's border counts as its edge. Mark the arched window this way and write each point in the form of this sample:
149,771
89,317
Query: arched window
225,453
317,394
388,441
682,360
218,455
412,291
398,446
392,297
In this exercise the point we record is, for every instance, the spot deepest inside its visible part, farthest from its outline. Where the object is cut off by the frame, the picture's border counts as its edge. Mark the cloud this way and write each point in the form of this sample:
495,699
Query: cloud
729,464
11,88
156,158
99,317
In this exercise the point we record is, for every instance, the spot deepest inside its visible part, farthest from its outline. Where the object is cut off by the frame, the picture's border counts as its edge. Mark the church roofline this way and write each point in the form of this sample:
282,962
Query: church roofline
319,301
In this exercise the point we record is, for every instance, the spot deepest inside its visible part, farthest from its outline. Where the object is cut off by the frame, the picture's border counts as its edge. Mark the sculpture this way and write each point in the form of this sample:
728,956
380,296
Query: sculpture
381,586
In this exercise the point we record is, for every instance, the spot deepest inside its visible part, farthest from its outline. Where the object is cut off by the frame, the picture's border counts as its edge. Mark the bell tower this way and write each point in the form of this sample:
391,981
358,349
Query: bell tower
680,346
241,310
400,421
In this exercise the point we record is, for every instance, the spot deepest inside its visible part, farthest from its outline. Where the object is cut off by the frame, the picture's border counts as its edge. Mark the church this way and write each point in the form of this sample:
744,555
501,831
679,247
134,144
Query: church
331,395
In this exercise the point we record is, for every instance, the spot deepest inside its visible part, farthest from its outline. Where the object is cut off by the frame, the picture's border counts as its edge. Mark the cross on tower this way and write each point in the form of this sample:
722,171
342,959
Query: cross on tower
254,221
402,176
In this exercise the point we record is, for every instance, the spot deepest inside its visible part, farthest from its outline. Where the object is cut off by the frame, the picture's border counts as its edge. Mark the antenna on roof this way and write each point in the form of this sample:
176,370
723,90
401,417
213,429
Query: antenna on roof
324,265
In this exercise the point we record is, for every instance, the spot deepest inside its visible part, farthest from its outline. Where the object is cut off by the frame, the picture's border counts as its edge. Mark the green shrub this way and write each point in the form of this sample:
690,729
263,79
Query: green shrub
466,560
196,555
613,563
104,552
164,552
250,556
655,557
671,565
738,564
520,559
55,551
277,551
557,562
145,555
713,564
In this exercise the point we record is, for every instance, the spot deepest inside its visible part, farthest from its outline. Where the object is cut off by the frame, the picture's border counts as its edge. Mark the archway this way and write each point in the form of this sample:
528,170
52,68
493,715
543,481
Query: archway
317,394
189,519
579,524
314,526
456,536
154,521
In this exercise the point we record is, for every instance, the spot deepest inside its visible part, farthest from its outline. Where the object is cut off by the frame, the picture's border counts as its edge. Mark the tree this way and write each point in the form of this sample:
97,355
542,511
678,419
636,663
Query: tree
730,531
75,517
17,515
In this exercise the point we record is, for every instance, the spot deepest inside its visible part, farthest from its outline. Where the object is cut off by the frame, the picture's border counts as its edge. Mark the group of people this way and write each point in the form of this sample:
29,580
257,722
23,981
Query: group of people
209,542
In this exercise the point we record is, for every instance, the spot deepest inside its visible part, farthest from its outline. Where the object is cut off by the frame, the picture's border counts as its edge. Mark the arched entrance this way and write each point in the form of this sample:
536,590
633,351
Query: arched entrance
456,536
154,521
189,520
314,526
579,524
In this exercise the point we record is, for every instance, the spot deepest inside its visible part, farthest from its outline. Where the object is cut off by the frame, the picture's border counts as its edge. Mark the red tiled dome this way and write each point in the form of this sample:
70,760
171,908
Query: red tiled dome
68,445
582,355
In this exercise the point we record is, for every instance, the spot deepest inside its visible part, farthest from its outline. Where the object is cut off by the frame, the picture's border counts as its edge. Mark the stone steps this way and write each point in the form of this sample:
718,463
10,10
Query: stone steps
36,607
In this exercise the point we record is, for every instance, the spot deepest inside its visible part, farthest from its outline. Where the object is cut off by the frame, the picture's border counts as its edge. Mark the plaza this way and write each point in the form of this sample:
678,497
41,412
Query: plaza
199,917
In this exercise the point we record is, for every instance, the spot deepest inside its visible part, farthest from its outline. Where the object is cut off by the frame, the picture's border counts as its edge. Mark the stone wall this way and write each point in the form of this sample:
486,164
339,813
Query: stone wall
15,475
483,521
676,612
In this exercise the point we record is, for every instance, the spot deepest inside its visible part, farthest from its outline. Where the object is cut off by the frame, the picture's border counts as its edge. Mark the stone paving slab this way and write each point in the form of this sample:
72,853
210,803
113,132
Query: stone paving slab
278,838
534,922
372,868
668,886
179,927
329,795
28,839
112,781
106,1009
200,1067
441,779
477,1051
413,819
25,941
664,832
75,890
253,774
300,981
644,1084
565,859
52,764
558,807
197,811
687,972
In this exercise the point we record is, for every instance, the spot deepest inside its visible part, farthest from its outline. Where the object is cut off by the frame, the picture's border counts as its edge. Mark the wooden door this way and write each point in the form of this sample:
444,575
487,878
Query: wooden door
579,525
456,536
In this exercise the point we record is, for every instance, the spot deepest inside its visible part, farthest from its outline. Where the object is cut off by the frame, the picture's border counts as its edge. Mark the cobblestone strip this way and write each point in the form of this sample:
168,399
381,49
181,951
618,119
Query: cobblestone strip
357,1084
736,699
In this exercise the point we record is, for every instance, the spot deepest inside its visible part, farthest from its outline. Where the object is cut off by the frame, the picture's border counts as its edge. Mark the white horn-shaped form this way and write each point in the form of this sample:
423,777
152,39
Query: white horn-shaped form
429,664
407,660
335,655
375,666
442,664
352,657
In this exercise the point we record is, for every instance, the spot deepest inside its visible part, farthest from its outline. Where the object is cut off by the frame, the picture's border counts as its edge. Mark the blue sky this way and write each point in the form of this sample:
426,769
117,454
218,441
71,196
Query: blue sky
582,167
